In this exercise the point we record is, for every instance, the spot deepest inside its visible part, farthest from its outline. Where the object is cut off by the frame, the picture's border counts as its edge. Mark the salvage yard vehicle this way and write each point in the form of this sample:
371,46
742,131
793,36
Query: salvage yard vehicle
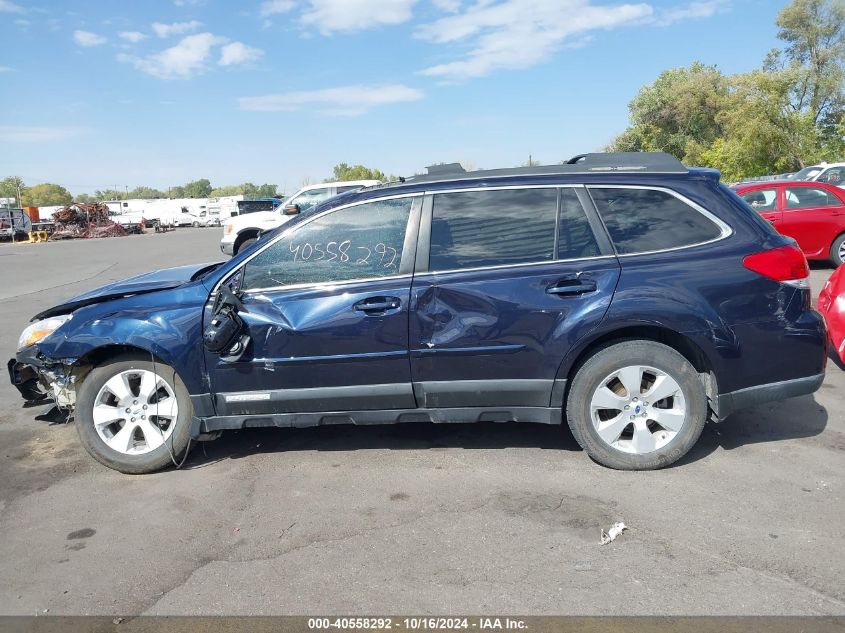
812,213
622,294
243,231
832,173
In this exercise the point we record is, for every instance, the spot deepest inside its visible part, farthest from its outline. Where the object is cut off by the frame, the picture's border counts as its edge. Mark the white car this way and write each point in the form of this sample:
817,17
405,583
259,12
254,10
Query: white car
831,173
242,230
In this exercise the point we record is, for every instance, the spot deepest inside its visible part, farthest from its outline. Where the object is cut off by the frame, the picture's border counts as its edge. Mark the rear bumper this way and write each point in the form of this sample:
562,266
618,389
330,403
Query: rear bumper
752,396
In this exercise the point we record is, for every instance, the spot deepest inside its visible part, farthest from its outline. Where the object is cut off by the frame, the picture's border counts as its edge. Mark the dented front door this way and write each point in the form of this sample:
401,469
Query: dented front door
327,314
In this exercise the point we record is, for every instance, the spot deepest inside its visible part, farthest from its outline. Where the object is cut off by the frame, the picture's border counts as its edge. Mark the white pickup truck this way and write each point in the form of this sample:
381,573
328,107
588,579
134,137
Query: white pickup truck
242,230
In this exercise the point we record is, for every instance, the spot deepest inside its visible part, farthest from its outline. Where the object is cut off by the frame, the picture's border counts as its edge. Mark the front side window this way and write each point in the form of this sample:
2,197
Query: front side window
360,242
476,229
808,197
646,220
308,199
761,199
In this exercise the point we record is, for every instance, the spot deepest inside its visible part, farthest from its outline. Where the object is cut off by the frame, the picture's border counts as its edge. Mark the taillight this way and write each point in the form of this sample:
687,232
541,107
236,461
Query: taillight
785,264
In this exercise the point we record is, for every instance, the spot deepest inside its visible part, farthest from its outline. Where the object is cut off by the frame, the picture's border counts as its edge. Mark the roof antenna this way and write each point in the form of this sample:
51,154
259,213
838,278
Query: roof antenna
576,159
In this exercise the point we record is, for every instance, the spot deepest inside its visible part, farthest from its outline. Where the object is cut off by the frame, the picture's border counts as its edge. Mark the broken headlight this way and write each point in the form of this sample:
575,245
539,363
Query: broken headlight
38,331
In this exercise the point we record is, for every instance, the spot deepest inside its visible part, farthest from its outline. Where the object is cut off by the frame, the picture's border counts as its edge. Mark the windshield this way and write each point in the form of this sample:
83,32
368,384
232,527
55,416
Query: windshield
807,173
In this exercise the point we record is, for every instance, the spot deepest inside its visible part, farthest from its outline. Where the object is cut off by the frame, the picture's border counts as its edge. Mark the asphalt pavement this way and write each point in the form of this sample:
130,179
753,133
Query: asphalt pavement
487,518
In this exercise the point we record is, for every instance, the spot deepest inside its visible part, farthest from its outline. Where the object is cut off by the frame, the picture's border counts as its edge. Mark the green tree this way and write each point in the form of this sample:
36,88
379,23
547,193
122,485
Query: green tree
343,171
46,194
814,33
246,189
197,189
148,193
266,191
228,190
677,113
82,198
12,187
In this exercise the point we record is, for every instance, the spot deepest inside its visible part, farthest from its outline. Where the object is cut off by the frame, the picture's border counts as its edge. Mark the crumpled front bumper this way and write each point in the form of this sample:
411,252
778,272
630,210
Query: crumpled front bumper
37,379
25,379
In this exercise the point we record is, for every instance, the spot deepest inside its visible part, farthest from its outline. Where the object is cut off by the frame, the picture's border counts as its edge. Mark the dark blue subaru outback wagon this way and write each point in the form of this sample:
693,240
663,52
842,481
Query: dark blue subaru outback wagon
624,294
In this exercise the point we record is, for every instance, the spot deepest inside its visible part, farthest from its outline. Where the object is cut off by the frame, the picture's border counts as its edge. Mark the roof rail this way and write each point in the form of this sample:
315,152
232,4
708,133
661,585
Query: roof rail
606,162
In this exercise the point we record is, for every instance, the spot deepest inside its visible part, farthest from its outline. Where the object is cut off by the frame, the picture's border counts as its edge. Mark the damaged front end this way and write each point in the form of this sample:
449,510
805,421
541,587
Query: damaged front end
39,378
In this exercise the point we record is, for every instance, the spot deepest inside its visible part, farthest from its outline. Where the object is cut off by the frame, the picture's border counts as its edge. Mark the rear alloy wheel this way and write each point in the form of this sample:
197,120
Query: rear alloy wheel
196,224
837,251
134,415
637,405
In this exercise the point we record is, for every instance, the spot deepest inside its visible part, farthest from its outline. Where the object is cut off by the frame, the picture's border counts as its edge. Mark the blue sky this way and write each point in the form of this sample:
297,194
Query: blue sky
98,94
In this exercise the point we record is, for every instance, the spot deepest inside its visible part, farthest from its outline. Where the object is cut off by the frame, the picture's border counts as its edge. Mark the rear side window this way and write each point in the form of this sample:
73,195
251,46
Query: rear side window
644,220
807,197
475,229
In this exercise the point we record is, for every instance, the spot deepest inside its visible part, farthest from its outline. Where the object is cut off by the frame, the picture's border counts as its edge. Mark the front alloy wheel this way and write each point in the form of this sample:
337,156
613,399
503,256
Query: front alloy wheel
135,411
134,415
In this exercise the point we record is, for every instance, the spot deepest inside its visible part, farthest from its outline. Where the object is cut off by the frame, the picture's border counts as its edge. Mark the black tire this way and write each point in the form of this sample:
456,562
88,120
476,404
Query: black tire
835,257
173,448
195,224
624,354
244,244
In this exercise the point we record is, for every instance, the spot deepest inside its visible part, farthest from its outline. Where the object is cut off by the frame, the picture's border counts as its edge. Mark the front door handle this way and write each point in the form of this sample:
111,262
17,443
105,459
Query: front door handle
374,305
572,287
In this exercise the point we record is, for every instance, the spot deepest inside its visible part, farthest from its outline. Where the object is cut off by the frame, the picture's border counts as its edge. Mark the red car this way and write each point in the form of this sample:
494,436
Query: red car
832,307
812,213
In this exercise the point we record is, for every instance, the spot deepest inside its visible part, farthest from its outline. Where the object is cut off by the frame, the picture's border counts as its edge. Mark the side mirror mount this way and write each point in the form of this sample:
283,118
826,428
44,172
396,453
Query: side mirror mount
291,209
225,333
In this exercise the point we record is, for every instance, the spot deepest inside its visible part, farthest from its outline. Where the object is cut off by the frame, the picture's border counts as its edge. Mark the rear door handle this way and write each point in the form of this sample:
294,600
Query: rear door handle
570,287
375,305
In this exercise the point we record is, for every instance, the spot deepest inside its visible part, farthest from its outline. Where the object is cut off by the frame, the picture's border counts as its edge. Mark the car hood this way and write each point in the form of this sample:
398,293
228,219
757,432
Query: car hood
140,284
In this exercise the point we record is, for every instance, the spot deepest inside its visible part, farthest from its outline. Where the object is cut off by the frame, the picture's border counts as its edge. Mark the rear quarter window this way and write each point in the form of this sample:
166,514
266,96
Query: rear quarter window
645,220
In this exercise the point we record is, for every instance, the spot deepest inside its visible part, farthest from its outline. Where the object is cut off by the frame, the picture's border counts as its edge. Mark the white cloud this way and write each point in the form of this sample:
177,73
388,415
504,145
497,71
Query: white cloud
342,101
34,134
6,69
520,33
88,39
329,16
176,28
238,53
132,36
692,11
10,7
182,61
451,6
273,7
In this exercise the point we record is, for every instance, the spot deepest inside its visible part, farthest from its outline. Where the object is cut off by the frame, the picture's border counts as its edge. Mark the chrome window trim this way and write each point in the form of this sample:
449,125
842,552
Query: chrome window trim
325,285
725,230
289,230
519,265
